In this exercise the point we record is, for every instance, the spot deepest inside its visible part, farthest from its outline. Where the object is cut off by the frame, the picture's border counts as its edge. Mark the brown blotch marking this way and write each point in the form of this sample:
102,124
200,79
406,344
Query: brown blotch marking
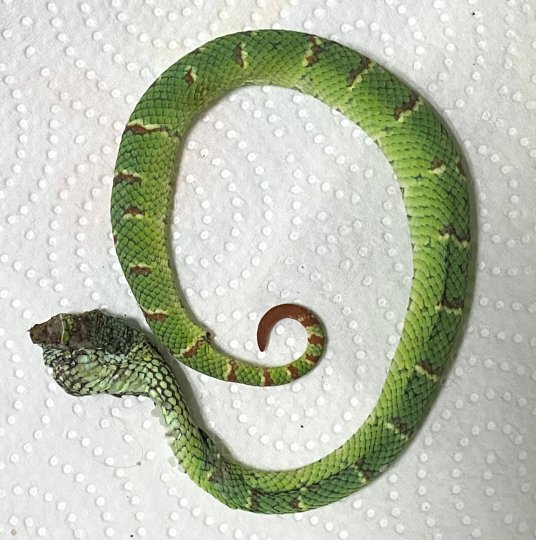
134,211
216,476
189,77
156,316
138,129
427,367
125,178
407,106
357,71
140,270
436,164
449,230
295,503
267,378
238,55
192,351
312,57
455,303
293,372
311,358
308,319
401,426
231,376
313,339
359,465
254,505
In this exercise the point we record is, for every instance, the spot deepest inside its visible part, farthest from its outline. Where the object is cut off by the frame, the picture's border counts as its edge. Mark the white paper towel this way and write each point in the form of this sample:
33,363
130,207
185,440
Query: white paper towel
279,199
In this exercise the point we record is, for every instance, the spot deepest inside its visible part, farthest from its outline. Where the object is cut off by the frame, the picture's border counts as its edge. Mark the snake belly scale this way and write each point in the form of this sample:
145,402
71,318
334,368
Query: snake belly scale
94,353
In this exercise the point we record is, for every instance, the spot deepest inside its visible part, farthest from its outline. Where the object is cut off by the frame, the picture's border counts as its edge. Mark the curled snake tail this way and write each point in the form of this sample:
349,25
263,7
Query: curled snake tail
303,315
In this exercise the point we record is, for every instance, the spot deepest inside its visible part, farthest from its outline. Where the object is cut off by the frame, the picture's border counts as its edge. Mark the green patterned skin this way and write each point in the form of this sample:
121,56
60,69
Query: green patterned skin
94,353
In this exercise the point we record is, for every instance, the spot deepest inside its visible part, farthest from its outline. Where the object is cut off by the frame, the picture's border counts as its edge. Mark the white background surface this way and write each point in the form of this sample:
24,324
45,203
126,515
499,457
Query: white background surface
280,199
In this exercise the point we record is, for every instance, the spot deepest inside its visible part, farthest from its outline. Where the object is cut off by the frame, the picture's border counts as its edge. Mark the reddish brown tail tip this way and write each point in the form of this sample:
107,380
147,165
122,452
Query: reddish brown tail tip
278,313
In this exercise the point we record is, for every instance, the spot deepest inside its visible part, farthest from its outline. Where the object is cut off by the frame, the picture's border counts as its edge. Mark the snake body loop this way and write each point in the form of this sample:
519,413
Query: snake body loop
94,353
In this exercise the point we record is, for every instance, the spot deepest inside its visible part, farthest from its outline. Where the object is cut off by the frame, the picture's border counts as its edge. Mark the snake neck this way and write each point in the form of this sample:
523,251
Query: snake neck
190,445
197,454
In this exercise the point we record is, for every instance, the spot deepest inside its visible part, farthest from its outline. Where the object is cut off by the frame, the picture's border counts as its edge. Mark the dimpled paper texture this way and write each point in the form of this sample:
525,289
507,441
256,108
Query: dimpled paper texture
280,199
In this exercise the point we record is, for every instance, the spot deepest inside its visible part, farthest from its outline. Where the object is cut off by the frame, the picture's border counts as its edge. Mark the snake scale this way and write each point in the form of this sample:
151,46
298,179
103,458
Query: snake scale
93,352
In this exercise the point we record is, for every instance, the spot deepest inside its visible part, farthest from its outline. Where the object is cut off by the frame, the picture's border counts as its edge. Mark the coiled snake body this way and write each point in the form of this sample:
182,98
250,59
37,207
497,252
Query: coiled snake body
94,353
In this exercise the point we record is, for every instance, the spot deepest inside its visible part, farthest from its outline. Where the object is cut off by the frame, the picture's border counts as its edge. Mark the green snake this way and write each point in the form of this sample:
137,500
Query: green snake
94,353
